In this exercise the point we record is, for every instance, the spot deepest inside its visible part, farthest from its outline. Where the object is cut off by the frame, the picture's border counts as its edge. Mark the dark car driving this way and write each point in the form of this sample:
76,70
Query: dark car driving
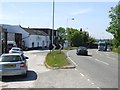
81,50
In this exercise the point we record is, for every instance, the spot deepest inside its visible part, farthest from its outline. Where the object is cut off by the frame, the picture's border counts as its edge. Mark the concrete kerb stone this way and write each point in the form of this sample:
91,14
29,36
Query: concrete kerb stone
70,66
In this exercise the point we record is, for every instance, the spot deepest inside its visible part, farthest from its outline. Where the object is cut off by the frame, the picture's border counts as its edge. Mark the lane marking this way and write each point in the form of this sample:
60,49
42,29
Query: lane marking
71,60
102,62
96,51
111,58
35,55
75,69
78,71
82,74
107,54
88,79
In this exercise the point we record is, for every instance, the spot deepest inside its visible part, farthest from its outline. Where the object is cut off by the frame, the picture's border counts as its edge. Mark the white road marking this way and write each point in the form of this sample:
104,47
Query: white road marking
82,74
78,71
107,54
102,62
35,55
88,79
75,69
111,58
71,60
97,51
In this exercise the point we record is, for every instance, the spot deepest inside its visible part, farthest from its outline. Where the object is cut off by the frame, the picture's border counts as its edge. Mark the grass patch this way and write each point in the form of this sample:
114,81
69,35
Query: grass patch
117,50
56,59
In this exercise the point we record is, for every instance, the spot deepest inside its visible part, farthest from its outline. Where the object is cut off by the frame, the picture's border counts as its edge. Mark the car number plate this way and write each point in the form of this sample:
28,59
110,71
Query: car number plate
9,66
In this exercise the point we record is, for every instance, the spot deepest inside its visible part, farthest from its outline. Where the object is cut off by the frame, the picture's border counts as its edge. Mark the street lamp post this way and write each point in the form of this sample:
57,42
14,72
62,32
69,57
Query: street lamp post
67,26
53,22
70,19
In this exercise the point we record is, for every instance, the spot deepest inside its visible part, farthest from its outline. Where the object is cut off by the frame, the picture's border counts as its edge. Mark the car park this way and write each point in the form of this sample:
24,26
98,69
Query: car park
81,50
13,64
16,50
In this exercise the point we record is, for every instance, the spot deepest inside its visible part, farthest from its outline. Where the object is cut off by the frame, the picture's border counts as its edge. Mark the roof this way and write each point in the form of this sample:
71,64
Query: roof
2,29
102,42
15,48
33,31
7,54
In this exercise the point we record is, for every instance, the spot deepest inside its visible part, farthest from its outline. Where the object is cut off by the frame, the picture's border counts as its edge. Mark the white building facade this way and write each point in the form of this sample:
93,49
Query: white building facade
30,38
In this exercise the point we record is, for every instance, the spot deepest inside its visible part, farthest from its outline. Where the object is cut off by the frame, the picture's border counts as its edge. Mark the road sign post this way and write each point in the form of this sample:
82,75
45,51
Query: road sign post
60,47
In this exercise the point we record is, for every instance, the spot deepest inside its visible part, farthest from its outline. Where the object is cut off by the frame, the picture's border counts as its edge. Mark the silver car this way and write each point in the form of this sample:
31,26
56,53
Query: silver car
13,64
16,50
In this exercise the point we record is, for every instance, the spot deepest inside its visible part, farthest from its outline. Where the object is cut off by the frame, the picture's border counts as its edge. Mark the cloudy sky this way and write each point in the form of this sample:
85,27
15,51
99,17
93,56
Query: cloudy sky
91,16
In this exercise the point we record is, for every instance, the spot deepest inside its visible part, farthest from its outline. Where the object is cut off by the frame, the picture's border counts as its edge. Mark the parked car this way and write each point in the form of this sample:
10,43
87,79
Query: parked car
13,64
81,50
16,50
11,44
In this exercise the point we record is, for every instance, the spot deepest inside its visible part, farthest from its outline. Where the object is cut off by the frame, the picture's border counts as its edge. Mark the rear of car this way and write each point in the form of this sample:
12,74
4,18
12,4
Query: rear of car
82,51
13,64
16,50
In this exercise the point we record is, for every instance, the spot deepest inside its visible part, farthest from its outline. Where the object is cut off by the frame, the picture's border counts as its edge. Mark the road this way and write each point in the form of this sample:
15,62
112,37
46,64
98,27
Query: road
98,70
101,68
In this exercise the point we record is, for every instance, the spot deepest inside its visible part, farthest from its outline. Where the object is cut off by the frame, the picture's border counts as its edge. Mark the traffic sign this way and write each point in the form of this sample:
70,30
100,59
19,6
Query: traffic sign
60,46
53,46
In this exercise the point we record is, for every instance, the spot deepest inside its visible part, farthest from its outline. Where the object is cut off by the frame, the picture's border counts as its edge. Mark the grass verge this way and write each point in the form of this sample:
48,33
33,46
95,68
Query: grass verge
117,50
56,59
70,48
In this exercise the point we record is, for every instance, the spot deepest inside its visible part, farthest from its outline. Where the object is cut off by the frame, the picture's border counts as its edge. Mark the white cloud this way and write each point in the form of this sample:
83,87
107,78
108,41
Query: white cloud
83,11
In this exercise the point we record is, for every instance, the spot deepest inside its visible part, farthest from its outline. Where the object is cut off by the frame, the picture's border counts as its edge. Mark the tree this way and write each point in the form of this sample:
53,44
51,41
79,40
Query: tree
114,26
61,35
76,37
70,34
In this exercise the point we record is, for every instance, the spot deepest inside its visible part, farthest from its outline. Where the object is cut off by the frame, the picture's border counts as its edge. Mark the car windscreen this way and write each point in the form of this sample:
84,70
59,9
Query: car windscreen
11,58
101,44
16,49
83,48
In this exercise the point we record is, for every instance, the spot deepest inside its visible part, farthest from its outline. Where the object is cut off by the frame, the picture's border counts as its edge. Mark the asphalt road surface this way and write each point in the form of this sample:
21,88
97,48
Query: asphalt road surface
97,70
99,67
